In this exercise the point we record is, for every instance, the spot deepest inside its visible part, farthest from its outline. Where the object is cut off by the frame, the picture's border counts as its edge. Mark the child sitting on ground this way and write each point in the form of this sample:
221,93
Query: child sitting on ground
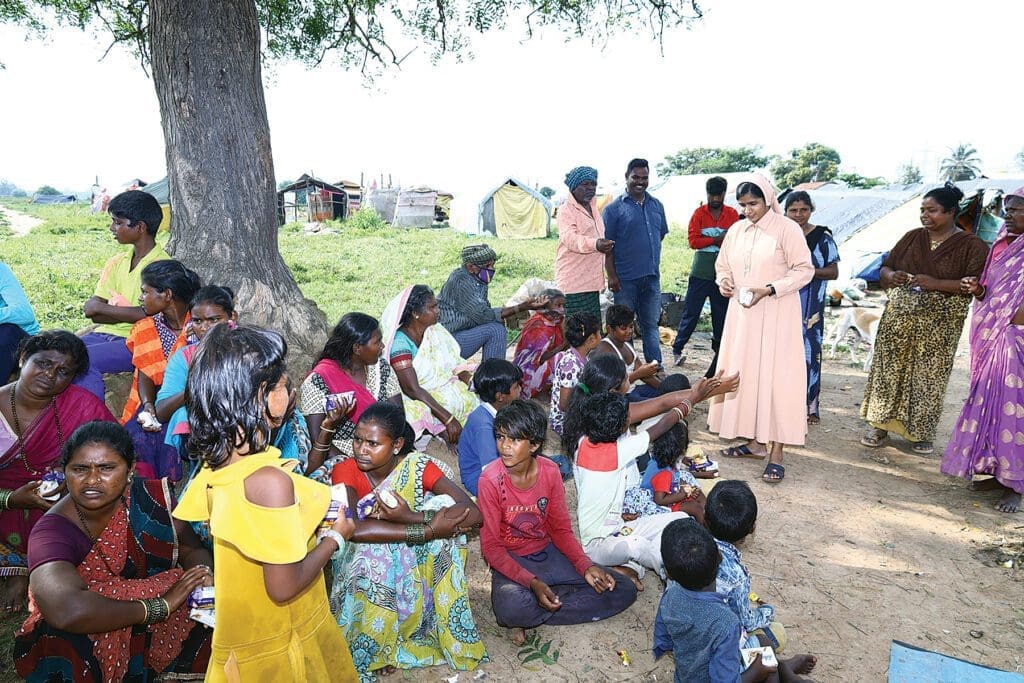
540,573
605,466
540,340
670,484
583,334
497,382
621,323
730,514
167,290
695,623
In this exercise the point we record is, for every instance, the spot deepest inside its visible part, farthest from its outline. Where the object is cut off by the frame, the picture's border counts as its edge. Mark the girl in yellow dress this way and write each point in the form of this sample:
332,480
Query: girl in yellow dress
270,600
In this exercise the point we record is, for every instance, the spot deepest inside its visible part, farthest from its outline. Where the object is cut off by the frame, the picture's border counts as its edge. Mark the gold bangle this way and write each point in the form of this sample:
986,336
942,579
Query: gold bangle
678,412
449,420
145,606
329,431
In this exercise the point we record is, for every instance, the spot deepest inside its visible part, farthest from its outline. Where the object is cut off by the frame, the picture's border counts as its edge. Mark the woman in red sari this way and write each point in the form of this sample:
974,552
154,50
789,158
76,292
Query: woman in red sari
111,573
38,413
541,339
350,362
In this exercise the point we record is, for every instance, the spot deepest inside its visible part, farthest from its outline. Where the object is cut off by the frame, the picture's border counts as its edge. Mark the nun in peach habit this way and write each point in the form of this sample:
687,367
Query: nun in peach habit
762,265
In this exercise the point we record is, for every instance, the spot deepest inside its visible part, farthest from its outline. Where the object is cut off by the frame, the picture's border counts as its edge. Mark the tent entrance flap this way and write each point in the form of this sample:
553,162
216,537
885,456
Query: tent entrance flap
518,215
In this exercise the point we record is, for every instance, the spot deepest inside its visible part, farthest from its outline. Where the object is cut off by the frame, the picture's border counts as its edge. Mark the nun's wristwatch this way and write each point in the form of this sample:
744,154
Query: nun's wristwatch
771,289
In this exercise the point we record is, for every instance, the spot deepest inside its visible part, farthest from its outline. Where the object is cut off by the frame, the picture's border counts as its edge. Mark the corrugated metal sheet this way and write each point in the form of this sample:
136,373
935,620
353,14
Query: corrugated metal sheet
415,209
848,210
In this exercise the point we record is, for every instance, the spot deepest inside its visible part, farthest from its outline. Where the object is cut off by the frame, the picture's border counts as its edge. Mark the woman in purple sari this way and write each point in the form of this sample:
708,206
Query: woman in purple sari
38,413
989,435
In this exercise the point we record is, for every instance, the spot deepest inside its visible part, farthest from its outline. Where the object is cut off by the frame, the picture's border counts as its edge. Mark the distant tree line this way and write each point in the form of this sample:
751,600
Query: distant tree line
814,162
9,189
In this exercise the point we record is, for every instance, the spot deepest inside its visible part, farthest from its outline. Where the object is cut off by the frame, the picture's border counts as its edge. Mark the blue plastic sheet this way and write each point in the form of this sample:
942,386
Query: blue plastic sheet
910,664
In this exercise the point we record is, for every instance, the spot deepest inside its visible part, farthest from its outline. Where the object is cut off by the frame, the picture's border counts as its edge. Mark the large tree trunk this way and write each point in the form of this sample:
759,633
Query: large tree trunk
205,57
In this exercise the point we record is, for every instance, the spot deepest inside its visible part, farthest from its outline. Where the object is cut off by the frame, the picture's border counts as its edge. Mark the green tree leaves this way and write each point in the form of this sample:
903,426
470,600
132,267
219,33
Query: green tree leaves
910,173
698,160
813,162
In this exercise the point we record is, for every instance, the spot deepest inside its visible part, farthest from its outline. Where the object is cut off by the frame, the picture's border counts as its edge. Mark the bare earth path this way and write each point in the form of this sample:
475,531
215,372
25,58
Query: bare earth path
856,547
20,223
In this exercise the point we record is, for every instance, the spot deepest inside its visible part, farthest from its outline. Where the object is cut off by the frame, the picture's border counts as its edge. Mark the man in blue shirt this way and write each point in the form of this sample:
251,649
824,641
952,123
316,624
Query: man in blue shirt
636,223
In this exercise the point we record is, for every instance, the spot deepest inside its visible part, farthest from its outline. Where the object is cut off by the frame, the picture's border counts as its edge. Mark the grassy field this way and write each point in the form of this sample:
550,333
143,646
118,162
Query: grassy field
358,266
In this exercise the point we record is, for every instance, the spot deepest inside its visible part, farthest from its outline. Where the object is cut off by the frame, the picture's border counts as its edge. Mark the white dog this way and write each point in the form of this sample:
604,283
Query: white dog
864,322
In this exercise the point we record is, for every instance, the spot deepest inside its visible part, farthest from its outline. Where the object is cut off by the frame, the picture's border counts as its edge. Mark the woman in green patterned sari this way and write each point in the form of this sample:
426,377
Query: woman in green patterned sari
400,593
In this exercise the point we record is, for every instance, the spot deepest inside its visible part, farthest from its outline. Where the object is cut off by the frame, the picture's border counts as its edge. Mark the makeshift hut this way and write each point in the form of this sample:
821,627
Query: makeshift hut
310,199
53,199
514,210
354,191
415,208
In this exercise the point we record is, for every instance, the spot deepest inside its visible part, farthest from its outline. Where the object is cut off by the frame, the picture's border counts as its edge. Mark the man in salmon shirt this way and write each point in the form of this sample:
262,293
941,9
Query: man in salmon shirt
707,230
580,257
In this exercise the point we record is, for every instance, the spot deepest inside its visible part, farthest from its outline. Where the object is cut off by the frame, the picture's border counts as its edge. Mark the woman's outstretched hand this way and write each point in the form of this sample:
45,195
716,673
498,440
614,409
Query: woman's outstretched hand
336,415
177,594
344,525
26,497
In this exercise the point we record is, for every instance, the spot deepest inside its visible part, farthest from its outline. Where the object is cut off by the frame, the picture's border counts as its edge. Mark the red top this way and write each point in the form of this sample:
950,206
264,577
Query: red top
662,481
346,472
702,219
524,521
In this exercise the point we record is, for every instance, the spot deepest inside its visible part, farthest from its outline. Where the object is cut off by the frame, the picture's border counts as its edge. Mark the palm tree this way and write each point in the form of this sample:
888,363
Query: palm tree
961,164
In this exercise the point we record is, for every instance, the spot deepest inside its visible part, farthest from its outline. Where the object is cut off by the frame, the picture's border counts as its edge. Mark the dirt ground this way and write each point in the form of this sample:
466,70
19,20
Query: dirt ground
856,548
20,223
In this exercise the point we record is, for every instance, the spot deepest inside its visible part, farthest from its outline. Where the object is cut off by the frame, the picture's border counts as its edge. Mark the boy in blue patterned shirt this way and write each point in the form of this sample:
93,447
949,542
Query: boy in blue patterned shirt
730,514
697,624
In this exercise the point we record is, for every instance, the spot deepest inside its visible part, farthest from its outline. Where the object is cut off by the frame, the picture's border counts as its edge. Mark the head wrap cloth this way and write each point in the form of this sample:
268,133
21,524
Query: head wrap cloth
579,175
478,255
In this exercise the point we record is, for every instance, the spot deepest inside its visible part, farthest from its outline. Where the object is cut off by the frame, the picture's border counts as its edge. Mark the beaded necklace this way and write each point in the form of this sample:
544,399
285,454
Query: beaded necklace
21,441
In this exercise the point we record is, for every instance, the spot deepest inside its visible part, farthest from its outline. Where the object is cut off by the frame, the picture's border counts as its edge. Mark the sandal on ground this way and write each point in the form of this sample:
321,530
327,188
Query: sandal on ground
923,448
774,473
875,438
741,452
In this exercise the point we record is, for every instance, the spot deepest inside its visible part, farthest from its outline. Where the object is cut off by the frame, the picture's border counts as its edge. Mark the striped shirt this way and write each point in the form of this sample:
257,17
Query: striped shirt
464,304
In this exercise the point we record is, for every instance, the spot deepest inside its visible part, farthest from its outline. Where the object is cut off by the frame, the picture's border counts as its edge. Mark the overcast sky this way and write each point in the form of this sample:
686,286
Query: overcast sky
882,81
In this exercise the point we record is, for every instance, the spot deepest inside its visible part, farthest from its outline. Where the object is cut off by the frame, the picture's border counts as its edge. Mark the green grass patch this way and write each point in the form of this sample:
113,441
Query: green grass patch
357,265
